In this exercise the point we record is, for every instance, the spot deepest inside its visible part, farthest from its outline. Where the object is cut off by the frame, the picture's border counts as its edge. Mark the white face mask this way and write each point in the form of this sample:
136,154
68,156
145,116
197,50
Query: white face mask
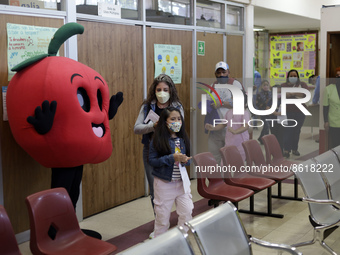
162,97
293,79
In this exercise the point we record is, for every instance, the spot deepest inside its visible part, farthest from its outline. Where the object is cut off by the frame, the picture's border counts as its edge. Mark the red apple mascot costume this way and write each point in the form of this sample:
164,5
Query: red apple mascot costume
59,112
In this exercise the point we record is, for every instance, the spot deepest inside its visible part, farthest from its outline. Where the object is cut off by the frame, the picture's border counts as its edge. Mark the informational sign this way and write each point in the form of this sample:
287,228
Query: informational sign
24,42
168,60
200,48
52,4
109,10
292,51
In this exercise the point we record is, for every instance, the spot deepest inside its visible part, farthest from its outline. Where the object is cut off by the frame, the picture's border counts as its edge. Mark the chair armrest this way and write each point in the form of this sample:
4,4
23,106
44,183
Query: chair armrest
322,201
283,247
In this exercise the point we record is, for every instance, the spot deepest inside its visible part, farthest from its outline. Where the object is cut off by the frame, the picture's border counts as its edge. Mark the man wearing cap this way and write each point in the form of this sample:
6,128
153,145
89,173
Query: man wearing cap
216,139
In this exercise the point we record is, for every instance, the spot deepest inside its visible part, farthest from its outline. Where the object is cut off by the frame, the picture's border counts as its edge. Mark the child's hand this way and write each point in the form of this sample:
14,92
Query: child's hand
187,159
179,157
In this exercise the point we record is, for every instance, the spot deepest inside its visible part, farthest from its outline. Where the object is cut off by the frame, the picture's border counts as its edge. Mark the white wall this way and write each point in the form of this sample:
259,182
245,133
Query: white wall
306,8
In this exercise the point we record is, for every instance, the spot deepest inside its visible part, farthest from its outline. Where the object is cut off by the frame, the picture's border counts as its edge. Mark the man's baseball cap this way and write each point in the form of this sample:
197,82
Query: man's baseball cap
222,65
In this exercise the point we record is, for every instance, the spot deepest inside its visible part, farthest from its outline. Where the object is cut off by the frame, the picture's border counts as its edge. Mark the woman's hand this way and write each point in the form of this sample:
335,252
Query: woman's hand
231,130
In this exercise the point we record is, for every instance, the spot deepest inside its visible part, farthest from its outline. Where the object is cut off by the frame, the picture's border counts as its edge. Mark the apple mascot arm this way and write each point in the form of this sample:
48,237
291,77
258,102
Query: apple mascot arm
44,117
115,102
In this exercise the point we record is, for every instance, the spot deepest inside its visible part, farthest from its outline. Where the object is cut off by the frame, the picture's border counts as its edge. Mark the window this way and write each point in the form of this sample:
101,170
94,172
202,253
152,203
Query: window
125,9
208,14
234,18
168,11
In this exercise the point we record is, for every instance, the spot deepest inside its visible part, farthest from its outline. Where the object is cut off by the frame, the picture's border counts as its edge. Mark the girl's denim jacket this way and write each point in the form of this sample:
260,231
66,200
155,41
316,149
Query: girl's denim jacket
163,166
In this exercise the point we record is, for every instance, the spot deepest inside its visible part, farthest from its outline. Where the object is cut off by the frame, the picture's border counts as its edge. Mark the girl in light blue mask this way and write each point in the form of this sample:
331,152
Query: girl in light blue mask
292,134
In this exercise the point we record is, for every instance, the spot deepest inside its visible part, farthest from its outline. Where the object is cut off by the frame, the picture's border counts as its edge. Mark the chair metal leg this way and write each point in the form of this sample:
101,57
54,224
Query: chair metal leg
296,188
269,207
327,248
304,243
296,191
279,189
213,202
317,237
269,200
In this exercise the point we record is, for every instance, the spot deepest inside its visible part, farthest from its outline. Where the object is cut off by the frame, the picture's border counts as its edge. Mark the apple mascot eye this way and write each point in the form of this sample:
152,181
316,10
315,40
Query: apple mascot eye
59,109
100,99
83,99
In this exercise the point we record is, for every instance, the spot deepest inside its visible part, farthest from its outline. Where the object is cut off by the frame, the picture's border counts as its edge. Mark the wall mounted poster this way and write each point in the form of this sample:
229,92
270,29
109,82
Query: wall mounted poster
168,60
24,42
292,51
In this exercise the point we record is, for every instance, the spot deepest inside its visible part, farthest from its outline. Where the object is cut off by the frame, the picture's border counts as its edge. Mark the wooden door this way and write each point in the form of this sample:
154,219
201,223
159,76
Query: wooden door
235,56
115,51
173,37
333,51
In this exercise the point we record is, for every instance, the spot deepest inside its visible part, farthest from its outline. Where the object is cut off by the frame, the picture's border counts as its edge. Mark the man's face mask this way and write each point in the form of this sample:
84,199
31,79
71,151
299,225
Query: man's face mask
222,76
222,79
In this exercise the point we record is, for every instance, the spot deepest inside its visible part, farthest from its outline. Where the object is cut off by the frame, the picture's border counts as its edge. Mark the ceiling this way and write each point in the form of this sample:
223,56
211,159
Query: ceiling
280,21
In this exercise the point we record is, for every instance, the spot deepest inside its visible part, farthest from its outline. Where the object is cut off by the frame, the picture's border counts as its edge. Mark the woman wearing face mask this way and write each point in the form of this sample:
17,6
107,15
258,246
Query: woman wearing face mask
162,94
292,134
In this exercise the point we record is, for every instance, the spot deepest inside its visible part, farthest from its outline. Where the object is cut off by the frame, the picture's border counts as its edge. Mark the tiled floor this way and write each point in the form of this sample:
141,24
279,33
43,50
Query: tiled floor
293,228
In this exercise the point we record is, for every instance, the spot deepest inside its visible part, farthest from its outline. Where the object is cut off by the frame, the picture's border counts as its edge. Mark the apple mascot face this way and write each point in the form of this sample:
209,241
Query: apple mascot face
59,109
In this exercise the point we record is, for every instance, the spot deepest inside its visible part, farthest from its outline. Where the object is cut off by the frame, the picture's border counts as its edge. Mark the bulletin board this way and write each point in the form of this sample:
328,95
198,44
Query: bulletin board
292,51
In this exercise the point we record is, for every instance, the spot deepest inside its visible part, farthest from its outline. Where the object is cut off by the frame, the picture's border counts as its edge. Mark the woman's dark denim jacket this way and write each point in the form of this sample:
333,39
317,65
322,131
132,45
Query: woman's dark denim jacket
163,166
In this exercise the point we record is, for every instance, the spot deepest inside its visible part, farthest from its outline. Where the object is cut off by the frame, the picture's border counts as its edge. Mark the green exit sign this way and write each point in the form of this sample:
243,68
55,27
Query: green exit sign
200,48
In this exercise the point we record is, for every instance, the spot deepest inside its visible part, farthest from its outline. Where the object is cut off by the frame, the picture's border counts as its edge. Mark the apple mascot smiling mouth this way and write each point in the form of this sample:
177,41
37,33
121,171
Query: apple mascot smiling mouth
59,112
59,109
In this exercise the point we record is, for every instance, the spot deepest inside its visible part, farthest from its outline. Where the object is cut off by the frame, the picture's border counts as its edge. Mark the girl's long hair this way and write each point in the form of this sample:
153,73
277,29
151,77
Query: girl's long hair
162,134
